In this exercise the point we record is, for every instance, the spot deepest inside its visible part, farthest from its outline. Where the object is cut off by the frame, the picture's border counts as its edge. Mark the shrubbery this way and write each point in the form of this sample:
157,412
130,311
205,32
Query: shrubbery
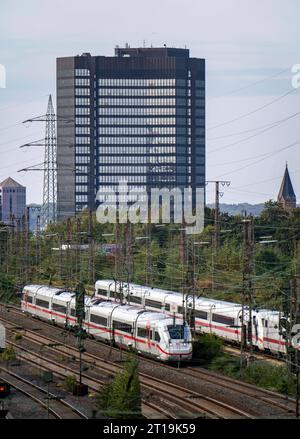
8,354
206,348
259,373
70,382
121,399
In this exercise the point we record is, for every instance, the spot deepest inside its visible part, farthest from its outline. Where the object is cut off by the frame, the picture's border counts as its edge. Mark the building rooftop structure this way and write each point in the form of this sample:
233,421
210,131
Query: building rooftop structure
12,200
10,182
286,196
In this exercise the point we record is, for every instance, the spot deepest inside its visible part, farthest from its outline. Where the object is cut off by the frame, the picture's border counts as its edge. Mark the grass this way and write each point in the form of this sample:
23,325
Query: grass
259,373
208,352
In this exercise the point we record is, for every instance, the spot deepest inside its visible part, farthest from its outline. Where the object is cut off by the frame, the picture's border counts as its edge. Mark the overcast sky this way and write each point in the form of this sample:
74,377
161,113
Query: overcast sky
249,47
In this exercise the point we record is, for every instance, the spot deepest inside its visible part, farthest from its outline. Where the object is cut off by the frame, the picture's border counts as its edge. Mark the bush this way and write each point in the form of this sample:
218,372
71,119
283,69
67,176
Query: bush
18,336
261,374
8,354
121,399
70,382
207,348
226,365
276,378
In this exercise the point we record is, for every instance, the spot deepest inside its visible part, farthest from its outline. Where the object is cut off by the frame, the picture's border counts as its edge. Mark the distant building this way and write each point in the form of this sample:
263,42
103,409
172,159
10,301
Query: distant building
138,116
286,196
12,200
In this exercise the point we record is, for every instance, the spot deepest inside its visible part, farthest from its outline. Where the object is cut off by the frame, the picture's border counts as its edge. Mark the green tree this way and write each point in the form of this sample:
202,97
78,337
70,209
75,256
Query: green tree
121,399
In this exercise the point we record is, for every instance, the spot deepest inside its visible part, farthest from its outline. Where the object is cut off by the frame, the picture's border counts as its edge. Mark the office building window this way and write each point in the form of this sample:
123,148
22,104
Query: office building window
82,72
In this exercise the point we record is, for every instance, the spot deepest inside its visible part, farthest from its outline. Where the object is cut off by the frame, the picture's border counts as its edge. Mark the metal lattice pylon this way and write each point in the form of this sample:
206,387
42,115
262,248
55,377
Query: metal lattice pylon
50,170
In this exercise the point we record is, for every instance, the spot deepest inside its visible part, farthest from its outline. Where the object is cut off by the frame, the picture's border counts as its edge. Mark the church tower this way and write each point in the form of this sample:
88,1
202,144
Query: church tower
286,196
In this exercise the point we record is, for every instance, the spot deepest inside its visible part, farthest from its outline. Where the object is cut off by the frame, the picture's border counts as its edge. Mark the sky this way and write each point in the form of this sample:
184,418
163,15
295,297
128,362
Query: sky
250,47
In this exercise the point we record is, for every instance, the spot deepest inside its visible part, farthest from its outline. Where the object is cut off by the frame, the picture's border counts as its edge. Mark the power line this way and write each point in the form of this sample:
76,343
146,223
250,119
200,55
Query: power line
262,159
275,123
252,136
253,111
253,83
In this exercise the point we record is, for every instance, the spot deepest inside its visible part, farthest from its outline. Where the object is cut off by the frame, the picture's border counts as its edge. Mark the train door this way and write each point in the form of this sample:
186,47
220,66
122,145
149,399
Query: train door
26,299
149,336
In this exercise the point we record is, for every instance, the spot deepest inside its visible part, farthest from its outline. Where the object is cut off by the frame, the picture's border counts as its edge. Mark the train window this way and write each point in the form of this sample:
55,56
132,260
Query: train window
134,299
73,313
122,326
29,299
200,314
59,308
167,307
96,302
142,332
98,319
42,303
157,336
117,295
180,310
102,292
153,303
218,318
176,332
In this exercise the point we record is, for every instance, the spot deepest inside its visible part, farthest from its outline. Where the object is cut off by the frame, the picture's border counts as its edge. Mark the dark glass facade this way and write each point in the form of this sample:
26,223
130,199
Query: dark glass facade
137,117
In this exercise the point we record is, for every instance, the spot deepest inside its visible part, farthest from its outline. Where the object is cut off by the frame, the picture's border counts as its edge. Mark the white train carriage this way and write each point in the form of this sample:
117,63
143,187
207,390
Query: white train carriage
47,302
217,317
269,336
150,333
211,316
2,337
151,298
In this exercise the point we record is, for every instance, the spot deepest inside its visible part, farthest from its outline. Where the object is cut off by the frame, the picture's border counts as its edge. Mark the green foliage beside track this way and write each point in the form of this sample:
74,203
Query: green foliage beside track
121,399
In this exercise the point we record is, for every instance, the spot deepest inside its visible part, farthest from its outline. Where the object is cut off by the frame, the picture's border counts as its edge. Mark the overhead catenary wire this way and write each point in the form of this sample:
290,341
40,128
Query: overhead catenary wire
253,84
222,148
271,154
262,107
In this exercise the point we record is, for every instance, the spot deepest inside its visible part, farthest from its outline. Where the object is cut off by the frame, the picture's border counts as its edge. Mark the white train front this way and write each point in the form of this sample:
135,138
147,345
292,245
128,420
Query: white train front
149,333
211,316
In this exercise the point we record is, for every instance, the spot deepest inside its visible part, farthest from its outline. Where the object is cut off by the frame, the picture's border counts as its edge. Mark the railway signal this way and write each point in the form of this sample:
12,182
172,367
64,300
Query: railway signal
80,389
4,389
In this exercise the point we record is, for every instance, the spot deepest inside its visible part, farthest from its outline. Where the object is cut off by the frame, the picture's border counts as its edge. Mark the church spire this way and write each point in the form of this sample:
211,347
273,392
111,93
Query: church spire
286,196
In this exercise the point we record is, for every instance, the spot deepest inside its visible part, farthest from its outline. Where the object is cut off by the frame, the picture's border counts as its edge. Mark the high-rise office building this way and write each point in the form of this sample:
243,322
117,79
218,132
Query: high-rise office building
12,201
138,116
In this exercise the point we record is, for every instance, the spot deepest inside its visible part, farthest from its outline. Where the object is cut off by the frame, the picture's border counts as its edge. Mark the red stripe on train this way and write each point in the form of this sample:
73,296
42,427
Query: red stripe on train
107,330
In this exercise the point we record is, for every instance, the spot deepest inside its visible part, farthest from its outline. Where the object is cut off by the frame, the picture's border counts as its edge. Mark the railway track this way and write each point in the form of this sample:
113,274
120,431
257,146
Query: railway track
201,404
151,409
188,402
59,409
269,358
192,403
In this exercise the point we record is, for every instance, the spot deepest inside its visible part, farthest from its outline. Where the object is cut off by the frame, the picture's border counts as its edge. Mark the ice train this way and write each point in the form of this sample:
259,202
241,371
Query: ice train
211,316
148,332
